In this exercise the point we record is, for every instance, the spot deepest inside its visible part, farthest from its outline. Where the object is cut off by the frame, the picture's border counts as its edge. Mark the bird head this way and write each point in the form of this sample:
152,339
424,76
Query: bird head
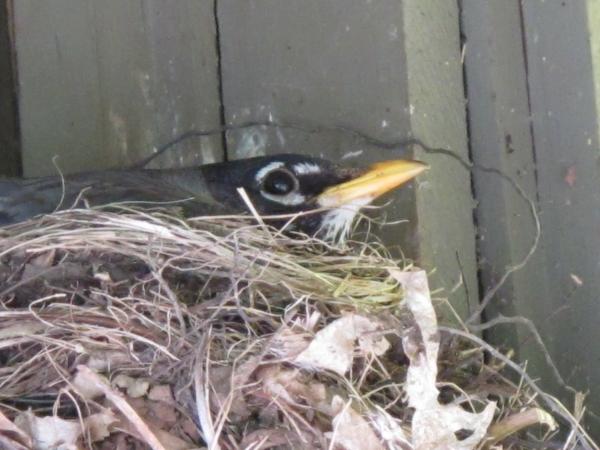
321,197
327,195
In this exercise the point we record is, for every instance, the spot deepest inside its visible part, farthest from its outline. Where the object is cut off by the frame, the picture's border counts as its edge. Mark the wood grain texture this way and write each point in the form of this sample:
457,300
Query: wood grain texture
533,115
437,101
103,83
501,138
565,131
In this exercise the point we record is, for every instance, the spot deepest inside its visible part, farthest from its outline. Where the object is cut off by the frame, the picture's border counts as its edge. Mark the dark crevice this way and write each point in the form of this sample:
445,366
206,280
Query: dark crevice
10,130
220,80
529,108
479,272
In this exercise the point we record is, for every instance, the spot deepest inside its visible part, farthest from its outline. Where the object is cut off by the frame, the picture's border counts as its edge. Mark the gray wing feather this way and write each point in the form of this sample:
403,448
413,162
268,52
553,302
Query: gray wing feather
24,199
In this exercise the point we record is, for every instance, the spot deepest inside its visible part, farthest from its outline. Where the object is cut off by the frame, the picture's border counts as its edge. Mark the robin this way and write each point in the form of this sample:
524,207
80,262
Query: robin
283,184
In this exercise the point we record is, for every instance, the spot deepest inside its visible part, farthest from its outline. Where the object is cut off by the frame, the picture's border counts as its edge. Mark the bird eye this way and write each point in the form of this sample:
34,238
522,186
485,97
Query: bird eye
279,182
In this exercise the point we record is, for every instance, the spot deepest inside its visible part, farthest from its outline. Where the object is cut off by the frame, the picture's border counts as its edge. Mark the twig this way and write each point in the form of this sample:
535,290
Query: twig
503,320
554,405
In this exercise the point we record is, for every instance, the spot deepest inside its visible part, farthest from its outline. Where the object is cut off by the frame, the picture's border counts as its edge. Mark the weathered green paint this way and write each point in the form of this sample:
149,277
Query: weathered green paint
533,111
103,83
593,15
565,131
500,132
445,229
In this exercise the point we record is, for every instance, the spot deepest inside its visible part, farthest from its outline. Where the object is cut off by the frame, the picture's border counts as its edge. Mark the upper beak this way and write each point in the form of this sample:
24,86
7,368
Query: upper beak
380,178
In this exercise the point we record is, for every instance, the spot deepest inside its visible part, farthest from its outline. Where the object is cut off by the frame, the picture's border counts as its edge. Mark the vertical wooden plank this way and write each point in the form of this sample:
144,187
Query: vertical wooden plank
437,104
103,83
533,115
345,63
593,13
565,132
10,148
500,133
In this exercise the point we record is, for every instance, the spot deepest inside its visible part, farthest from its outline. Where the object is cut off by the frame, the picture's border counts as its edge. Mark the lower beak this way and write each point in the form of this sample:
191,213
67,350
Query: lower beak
380,178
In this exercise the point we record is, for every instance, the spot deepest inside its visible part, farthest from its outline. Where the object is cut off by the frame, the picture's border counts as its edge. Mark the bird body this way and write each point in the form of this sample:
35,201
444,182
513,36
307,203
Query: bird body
276,185
23,199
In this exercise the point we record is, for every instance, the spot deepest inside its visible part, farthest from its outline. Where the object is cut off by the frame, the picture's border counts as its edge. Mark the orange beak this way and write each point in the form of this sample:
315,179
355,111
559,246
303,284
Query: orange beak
380,178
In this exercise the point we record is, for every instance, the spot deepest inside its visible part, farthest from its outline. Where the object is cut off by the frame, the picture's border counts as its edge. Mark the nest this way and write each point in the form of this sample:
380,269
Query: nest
139,330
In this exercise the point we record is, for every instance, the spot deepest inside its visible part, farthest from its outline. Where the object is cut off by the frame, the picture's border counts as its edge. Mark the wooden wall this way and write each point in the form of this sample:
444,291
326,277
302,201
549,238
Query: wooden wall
101,84
532,109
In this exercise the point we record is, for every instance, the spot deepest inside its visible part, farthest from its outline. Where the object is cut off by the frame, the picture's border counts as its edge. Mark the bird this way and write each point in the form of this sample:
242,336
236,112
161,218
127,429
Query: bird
275,185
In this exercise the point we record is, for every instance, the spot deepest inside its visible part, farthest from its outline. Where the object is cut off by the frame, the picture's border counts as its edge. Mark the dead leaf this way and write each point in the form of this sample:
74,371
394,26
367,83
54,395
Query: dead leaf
289,342
94,380
434,426
390,430
576,279
84,388
351,430
14,435
166,414
333,347
99,424
287,385
50,432
136,387
162,393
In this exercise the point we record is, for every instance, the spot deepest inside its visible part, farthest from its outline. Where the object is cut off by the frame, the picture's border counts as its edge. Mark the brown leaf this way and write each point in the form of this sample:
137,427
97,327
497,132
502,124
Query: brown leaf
99,424
122,405
166,414
162,393
136,387
287,385
333,347
351,430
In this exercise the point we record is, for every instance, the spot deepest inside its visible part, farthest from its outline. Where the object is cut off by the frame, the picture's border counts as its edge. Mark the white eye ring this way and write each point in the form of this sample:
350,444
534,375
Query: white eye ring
293,198
262,173
280,182
306,168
